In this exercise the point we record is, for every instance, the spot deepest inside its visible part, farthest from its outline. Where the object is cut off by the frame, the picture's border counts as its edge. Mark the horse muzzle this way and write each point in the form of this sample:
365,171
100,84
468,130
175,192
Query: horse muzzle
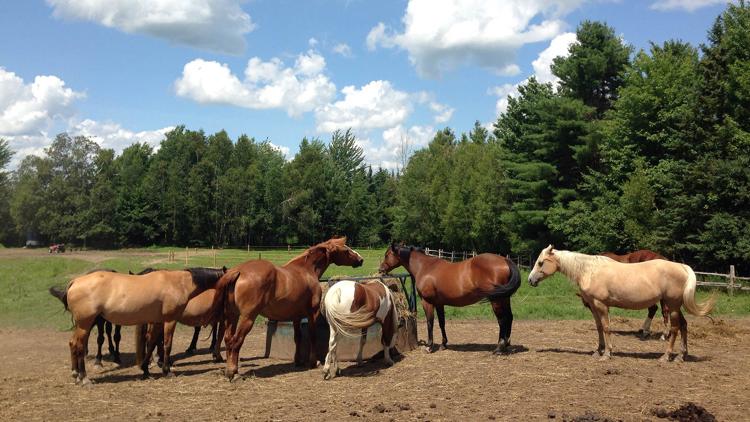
358,263
533,281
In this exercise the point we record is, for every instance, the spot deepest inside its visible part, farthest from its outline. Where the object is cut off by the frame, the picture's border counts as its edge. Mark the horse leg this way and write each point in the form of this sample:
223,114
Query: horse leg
110,343
331,366
388,327
362,341
153,335
602,311
665,320
118,336
272,326
599,330
504,316
77,345
230,323
645,330
168,335
674,320
683,339
99,341
218,335
312,336
244,325
441,321
194,342
429,314
297,324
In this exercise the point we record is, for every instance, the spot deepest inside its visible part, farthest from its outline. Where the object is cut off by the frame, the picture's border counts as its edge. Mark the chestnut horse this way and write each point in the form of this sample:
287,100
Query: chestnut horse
350,308
604,282
282,293
160,296
439,283
643,255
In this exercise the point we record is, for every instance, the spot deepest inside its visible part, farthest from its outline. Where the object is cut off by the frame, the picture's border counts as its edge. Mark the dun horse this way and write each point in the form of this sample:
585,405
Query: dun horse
351,307
604,282
124,299
282,293
440,283
644,255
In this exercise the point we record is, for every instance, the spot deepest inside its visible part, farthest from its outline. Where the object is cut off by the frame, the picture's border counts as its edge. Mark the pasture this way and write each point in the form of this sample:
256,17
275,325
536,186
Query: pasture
549,372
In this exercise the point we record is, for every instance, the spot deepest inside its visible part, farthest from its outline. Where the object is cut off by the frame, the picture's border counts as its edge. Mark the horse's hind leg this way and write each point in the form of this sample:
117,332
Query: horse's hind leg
683,338
169,328
99,341
362,341
504,316
78,350
440,309
110,344
117,344
153,335
218,335
331,366
244,325
194,342
645,331
429,315
674,320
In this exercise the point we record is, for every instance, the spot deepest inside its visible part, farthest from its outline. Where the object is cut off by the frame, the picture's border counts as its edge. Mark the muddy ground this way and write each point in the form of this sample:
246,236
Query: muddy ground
550,374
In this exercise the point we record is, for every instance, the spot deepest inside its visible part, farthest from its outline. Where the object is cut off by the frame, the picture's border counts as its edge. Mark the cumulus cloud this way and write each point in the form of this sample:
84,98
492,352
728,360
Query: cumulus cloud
558,47
112,135
396,142
28,109
374,105
216,25
688,5
342,49
439,36
266,84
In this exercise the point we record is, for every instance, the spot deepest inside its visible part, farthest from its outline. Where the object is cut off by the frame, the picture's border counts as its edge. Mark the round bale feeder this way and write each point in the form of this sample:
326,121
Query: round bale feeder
280,334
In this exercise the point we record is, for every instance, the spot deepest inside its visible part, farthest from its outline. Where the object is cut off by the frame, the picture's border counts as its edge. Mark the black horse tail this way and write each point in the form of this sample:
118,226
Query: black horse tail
217,306
507,289
60,294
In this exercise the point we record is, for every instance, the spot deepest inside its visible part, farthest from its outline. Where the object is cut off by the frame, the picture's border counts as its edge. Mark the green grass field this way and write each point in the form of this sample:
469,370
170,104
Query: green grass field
25,302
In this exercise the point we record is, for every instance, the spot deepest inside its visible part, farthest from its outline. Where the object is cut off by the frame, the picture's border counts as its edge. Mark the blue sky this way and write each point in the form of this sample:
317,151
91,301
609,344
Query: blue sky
123,71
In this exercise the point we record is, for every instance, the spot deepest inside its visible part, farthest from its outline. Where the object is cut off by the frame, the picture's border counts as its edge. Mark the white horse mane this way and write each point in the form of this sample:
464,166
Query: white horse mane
576,265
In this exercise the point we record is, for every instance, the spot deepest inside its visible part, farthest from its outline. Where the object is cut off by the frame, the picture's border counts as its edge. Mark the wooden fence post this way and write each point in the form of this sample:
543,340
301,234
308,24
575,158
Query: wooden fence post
731,280
452,256
187,251
214,253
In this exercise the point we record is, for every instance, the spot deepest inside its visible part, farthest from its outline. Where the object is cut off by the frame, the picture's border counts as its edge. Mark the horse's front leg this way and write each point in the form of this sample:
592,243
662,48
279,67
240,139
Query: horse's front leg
441,321
118,337
645,330
602,311
297,324
599,330
153,335
429,314
99,341
312,335
169,328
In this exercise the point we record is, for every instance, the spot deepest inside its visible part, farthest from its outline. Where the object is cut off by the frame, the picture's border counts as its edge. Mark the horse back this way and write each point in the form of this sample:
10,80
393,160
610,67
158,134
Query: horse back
372,297
466,282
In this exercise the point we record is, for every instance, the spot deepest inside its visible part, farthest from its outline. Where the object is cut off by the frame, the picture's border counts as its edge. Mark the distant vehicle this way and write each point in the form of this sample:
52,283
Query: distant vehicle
57,248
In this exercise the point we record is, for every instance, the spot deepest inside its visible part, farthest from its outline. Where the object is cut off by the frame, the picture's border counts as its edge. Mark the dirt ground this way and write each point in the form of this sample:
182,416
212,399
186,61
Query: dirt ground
550,375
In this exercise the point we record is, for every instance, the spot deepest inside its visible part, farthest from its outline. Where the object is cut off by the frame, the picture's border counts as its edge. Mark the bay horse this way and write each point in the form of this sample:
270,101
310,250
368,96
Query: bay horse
484,277
604,282
282,293
124,299
102,326
643,255
350,308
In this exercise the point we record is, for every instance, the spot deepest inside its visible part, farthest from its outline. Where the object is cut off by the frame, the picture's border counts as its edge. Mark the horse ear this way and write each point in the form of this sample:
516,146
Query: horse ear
224,269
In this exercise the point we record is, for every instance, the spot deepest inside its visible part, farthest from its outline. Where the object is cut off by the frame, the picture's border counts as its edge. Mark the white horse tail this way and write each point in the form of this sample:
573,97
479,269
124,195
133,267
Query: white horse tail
688,296
338,311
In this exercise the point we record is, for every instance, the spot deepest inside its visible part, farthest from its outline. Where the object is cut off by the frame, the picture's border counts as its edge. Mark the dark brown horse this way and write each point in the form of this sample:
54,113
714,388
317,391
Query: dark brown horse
440,283
160,296
281,293
643,255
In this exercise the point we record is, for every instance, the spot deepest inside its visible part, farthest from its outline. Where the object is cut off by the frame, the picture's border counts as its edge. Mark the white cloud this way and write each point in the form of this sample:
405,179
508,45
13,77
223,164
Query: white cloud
266,85
442,35
387,153
688,5
342,49
558,47
374,105
216,25
28,109
112,135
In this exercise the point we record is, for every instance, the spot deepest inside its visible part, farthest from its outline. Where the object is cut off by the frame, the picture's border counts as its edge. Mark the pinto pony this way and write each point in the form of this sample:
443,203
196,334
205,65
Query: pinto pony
604,282
160,296
350,308
439,282
282,293
643,255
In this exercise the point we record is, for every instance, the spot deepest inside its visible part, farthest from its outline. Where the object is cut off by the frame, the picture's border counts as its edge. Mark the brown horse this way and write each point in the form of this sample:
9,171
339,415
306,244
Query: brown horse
440,283
643,255
124,299
282,293
604,282
350,308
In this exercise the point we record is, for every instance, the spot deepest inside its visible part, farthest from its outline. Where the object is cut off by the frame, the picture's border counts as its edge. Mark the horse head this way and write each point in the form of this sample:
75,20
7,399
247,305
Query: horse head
395,256
546,265
337,252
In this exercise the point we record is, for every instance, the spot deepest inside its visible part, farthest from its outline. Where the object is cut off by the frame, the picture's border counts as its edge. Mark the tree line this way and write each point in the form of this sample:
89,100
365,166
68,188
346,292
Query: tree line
629,150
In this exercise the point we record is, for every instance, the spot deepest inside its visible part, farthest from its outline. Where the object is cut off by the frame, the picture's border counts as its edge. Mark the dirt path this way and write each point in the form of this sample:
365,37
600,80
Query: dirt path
550,373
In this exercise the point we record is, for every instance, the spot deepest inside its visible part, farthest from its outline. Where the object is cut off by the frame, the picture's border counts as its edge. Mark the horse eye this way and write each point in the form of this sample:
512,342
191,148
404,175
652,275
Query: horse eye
539,263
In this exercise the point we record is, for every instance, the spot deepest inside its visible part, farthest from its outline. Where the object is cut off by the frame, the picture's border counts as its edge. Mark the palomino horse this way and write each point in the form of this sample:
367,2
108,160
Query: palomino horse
350,308
102,325
160,296
643,255
604,282
440,283
282,293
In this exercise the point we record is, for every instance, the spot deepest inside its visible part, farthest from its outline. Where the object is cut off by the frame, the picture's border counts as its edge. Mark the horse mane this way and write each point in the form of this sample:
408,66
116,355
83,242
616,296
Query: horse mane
206,277
148,270
106,270
575,264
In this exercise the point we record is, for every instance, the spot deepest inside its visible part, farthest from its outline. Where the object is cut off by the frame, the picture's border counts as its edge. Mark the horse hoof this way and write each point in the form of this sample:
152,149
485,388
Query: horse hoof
235,378
428,349
680,358
389,362
86,383
664,358
218,359
663,338
442,347
169,374
604,358
190,352
74,374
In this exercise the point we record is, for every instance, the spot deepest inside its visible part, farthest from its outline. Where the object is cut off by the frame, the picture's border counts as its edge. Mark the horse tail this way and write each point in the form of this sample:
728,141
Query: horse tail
341,318
217,306
507,289
688,296
61,294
